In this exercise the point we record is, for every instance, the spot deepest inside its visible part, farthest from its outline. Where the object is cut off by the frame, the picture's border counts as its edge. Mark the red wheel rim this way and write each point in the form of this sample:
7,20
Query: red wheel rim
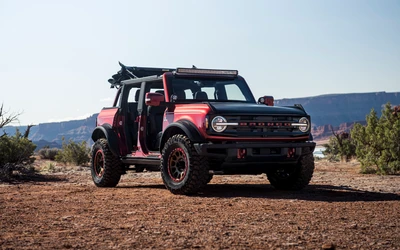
177,165
98,163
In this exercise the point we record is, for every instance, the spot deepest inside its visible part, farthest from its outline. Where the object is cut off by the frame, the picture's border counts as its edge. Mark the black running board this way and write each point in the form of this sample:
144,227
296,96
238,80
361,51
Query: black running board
141,160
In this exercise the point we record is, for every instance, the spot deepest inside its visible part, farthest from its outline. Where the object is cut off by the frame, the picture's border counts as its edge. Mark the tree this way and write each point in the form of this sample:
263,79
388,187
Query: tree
6,117
378,143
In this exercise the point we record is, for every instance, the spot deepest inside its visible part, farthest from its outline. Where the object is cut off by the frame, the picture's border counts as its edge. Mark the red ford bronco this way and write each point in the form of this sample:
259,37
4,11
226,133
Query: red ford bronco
191,124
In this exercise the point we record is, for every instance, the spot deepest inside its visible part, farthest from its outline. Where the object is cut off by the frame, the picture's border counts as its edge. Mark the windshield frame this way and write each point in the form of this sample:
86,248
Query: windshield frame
238,81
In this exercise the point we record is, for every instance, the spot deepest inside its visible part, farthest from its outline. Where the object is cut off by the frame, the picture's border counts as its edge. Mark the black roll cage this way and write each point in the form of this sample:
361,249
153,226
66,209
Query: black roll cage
133,72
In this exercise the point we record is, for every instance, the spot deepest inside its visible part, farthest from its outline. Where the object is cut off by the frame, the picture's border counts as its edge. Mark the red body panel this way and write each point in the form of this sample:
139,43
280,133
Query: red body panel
110,116
141,151
164,77
107,115
195,113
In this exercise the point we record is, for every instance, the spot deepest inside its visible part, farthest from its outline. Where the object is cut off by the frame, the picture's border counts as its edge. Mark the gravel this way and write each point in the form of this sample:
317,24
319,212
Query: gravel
340,209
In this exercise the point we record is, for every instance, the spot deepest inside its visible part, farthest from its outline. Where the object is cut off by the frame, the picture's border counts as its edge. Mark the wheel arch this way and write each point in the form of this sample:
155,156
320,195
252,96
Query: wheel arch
181,127
106,131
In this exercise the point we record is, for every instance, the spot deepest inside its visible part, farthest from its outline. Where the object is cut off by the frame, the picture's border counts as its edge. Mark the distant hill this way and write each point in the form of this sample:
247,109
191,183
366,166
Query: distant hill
337,110
51,134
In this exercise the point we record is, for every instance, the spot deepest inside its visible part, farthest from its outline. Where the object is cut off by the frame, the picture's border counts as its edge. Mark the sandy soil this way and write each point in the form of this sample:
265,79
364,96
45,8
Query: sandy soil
340,209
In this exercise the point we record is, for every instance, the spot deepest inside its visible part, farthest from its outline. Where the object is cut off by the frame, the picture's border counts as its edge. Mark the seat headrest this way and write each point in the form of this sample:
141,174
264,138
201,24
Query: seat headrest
137,94
201,95
180,93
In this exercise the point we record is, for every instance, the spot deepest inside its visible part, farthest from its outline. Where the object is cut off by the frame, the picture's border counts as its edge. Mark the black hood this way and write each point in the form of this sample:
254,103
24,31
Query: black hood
243,108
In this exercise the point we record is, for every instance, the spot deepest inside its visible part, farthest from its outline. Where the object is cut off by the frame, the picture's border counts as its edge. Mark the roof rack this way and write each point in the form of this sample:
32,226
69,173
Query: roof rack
133,72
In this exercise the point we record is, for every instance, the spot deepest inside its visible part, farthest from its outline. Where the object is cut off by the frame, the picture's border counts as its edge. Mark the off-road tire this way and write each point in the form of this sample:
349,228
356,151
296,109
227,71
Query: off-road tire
183,170
293,178
106,168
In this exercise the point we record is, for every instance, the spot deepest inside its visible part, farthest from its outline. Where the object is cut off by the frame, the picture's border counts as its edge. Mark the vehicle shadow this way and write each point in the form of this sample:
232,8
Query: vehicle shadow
326,193
35,178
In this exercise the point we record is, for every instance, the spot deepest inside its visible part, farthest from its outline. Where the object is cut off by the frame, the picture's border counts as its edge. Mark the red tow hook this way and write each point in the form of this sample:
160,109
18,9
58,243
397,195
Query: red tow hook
241,153
291,152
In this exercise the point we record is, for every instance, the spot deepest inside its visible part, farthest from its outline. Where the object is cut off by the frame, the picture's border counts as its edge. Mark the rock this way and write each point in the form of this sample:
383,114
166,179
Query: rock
328,246
353,226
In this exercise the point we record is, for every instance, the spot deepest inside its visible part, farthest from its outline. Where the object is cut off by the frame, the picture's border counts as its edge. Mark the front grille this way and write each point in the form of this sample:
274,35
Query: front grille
262,126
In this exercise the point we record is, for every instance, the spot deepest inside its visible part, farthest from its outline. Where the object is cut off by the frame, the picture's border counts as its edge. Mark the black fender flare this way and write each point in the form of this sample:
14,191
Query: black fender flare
185,126
106,131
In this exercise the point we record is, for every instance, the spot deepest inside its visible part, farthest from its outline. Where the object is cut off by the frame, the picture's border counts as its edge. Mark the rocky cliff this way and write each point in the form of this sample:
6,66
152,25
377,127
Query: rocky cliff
51,134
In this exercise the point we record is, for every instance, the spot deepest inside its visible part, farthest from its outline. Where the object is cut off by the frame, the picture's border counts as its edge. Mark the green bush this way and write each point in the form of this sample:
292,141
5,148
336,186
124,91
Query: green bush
15,154
72,152
48,153
378,143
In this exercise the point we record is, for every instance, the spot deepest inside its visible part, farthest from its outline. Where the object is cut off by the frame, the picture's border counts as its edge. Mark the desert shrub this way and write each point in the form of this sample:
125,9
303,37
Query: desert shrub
331,150
50,167
15,154
72,152
48,153
15,151
378,143
340,147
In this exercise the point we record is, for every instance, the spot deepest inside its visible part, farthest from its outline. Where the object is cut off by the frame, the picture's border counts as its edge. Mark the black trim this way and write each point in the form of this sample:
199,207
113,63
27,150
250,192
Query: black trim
141,160
193,134
187,127
255,152
258,134
133,72
110,135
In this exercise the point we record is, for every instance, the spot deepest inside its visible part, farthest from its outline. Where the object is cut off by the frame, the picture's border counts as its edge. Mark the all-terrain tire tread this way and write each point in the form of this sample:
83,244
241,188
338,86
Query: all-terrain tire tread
112,165
198,174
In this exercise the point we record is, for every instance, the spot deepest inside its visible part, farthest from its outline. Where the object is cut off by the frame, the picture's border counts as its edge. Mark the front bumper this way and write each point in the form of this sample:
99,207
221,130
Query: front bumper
257,153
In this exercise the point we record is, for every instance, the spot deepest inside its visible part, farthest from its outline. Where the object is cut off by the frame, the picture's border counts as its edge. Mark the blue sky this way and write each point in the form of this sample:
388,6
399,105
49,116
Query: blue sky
56,56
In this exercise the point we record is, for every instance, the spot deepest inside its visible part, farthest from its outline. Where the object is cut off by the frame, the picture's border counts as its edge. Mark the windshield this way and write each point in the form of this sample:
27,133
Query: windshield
204,89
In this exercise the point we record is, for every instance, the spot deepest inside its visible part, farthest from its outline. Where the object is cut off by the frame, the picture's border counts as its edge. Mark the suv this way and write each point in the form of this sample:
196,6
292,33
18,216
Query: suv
191,124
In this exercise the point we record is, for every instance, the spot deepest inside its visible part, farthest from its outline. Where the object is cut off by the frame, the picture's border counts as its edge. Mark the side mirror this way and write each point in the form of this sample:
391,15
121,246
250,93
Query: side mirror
267,100
154,99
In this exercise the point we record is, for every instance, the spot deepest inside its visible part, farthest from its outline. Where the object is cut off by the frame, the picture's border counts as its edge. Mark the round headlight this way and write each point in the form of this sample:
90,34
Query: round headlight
304,128
218,124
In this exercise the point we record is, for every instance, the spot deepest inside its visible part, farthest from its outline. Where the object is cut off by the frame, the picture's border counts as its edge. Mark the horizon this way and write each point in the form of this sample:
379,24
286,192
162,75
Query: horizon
83,117
57,56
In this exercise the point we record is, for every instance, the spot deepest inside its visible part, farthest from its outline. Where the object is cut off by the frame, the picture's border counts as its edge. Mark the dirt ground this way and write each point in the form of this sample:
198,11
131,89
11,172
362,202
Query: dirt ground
340,209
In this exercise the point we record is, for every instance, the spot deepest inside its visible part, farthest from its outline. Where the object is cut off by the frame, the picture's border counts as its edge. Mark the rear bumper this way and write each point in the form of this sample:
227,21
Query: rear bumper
257,153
